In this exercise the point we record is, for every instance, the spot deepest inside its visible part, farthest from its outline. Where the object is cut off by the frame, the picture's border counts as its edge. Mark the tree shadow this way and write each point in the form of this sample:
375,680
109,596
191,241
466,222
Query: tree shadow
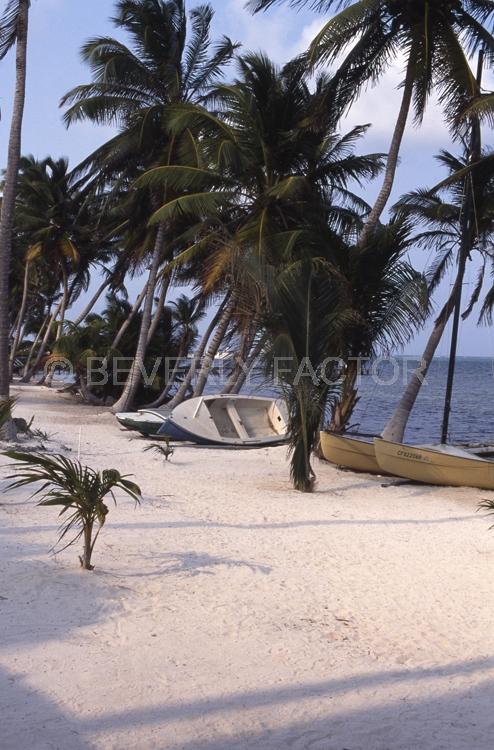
30,721
446,719
194,564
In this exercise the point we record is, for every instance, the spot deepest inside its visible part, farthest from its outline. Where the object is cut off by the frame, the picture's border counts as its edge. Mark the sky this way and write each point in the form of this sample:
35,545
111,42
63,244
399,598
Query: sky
59,27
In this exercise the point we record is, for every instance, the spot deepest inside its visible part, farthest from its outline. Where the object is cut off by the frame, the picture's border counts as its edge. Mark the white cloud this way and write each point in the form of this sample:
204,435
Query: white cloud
282,33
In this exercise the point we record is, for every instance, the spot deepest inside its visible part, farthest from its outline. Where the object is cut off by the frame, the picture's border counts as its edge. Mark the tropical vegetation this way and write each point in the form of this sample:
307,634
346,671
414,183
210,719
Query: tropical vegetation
233,196
78,490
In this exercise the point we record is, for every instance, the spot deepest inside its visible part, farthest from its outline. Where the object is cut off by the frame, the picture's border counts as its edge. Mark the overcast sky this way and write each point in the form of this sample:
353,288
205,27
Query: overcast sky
59,27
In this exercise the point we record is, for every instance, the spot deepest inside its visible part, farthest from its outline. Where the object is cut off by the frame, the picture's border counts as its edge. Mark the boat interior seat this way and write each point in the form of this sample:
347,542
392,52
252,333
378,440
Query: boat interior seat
237,422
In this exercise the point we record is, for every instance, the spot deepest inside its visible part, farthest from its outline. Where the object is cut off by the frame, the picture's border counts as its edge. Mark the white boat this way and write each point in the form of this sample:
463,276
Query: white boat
228,420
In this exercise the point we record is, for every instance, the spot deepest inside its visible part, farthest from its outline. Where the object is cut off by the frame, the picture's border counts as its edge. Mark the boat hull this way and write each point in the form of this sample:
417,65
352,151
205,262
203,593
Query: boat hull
350,453
241,421
430,466
139,423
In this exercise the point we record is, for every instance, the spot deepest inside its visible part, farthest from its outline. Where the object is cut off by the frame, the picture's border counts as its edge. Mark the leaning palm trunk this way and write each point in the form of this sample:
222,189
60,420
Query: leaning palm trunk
171,379
348,400
251,361
215,345
246,342
125,325
20,319
393,155
124,403
47,378
8,199
44,344
130,317
395,429
82,317
35,343
159,309
196,361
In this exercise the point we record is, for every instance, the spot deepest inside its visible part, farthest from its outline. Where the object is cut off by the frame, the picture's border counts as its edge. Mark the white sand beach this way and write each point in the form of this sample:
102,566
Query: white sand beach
229,612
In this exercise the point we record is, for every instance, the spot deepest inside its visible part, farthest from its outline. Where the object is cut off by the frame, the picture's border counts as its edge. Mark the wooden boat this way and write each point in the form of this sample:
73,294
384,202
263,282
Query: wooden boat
355,453
445,465
228,420
146,421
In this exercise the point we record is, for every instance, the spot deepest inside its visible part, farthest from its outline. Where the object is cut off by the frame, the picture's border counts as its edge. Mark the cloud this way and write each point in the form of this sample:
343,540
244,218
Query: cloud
282,33
285,33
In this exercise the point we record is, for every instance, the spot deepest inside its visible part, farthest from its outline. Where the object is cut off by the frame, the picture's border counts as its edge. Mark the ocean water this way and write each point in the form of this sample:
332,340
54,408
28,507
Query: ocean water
472,415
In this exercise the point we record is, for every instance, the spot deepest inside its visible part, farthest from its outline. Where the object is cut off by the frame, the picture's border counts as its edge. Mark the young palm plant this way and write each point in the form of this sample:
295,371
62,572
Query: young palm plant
78,490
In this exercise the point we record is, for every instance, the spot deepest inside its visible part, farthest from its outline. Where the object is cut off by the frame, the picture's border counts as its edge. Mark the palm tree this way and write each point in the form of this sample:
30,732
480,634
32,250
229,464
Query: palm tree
436,37
186,313
442,212
13,31
301,323
134,87
274,203
57,222
385,302
78,490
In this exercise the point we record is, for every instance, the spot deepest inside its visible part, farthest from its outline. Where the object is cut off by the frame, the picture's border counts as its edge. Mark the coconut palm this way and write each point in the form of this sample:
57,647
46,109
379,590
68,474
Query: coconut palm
274,152
13,32
386,302
78,490
133,87
274,205
186,313
441,215
436,38
57,221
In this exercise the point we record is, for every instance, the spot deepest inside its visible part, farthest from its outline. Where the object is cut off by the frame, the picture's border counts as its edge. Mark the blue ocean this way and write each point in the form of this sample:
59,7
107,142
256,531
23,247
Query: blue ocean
472,416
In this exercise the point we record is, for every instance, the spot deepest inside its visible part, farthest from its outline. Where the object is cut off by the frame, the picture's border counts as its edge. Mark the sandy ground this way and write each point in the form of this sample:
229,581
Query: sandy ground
230,613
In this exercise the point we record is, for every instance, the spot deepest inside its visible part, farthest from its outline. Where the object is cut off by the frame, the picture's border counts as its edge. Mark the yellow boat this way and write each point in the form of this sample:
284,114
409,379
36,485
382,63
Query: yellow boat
445,465
353,453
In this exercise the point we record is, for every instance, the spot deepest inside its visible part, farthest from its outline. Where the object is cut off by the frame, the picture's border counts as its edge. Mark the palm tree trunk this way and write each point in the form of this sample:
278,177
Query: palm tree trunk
47,378
20,321
8,199
124,403
87,550
393,155
244,348
253,356
171,379
215,345
348,399
82,317
128,320
196,361
30,372
159,308
33,346
395,429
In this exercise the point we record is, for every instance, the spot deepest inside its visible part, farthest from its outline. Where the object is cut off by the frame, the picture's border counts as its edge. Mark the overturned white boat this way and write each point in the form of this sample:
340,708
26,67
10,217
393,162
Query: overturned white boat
228,420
